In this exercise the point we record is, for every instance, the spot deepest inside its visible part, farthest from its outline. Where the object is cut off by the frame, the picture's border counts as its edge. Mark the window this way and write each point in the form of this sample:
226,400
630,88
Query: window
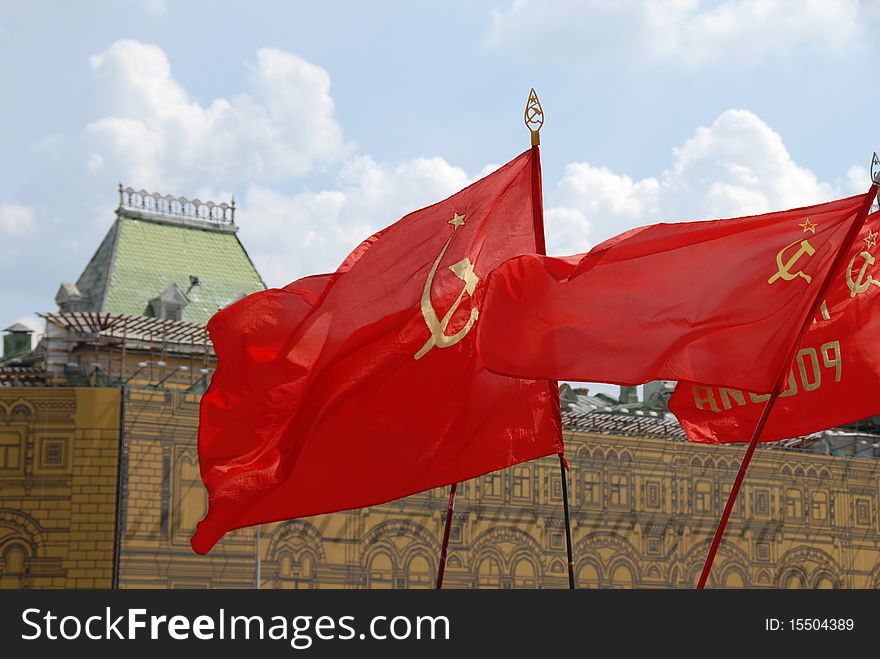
703,497
794,504
556,540
591,488
652,491
863,511
380,571
819,508
588,576
419,574
14,566
492,485
524,575
166,481
654,546
455,533
488,574
762,502
622,577
53,454
725,494
762,550
618,490
556,489
190,500
10,451
522,482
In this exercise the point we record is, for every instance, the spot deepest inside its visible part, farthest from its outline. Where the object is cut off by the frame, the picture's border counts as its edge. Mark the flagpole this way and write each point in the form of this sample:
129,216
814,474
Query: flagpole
441,569
534,120
257,567
786,365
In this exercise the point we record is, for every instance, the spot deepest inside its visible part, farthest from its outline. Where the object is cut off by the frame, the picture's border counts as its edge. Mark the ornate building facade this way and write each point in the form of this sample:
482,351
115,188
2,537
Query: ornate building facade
643,512
100,486
59,467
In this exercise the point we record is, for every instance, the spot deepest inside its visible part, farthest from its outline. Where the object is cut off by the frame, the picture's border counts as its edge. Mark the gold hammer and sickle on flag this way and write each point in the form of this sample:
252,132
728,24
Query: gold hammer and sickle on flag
464,270
861,284
783,270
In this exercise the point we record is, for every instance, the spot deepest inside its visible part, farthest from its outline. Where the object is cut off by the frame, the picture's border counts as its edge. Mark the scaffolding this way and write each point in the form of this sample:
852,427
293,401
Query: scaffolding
91,348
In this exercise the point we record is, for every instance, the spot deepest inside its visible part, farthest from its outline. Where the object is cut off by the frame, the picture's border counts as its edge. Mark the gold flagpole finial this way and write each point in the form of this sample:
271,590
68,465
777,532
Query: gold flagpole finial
534,117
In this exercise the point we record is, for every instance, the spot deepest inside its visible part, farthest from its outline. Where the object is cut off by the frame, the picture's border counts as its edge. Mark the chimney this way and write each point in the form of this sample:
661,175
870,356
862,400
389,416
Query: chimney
629,395
17,341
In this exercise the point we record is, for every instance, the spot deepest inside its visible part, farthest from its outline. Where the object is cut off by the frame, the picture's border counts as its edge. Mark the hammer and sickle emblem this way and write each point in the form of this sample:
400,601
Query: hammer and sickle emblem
464,270
861,283
783,270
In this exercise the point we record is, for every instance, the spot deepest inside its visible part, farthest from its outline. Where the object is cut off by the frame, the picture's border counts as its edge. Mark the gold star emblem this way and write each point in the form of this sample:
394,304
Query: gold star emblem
871,239
457,220
808,226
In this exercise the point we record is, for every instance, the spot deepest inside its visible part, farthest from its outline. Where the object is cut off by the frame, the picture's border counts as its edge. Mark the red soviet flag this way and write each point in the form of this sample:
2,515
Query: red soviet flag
835,375
717,301
347,390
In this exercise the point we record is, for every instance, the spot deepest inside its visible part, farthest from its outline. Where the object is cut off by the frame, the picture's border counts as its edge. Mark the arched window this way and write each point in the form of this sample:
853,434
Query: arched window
488,574
285,564
622,577
381,571
306,566
733,578
524,574
824,582
419,573
588,576
792,580
13,566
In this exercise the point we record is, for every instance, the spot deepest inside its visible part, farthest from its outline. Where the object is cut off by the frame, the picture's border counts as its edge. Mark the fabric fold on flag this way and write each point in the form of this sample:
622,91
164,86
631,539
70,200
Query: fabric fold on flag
834,377
362,386
718,301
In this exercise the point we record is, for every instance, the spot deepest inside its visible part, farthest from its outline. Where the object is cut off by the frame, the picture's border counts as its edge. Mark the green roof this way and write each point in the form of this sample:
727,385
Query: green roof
140,258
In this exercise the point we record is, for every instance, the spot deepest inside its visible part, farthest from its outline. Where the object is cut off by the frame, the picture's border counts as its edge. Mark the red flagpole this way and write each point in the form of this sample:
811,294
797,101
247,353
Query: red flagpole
441,569
777,389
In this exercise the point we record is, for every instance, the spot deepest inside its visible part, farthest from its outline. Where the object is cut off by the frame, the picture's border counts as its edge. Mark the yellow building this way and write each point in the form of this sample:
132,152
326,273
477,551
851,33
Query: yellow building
99,479
59,466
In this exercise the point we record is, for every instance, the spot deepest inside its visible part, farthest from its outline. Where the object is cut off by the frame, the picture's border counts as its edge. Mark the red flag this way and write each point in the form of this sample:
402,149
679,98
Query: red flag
835,374
688,301
348,390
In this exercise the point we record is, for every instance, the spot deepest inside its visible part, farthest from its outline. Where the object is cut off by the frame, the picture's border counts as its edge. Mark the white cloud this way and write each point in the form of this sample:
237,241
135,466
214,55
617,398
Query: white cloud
154,8
694,32
311,232
737,166
151,133
17,219
567,231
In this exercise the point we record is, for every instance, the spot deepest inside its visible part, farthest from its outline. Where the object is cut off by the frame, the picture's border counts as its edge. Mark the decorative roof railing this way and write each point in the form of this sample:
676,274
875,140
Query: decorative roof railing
153,204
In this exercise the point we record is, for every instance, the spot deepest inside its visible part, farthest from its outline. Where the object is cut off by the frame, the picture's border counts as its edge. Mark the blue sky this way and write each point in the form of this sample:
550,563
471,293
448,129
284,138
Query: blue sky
330,120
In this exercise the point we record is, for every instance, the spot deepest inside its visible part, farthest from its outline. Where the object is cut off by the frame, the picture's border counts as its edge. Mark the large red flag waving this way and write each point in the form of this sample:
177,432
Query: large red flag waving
835,374
693,301
347,390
